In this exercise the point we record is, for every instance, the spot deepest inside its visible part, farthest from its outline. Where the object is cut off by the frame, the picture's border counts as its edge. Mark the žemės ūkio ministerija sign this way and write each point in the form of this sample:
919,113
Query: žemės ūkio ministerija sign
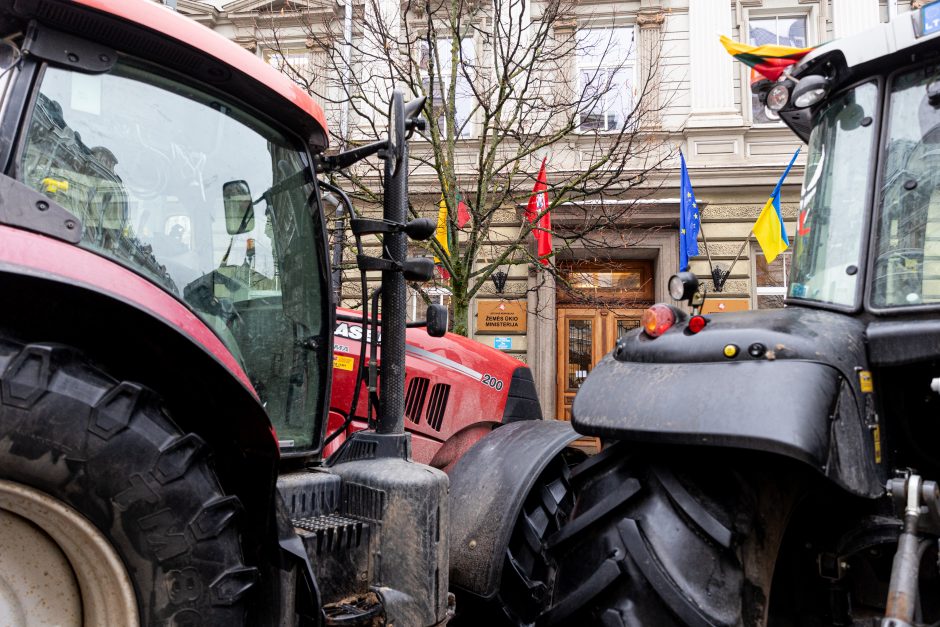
501,316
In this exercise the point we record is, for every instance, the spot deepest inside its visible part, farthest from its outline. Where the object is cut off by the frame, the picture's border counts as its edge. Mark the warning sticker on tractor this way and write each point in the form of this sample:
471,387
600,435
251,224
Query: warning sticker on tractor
342,363
864,382
876,436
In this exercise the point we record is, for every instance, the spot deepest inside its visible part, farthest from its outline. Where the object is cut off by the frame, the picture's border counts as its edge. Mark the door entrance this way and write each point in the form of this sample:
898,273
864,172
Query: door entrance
597,304
584,337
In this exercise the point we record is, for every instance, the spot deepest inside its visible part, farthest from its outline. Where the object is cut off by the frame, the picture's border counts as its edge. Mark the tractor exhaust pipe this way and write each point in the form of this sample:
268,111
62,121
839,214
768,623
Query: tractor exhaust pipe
391,419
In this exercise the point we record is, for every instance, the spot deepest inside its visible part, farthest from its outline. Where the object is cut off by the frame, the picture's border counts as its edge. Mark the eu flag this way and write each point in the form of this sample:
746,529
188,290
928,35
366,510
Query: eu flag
689,221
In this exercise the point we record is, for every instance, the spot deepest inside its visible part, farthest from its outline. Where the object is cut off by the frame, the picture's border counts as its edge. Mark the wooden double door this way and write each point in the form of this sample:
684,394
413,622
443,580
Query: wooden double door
585,335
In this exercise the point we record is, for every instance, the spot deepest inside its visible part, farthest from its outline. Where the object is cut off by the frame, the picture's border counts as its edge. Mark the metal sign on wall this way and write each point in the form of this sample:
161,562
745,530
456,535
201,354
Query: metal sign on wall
501,316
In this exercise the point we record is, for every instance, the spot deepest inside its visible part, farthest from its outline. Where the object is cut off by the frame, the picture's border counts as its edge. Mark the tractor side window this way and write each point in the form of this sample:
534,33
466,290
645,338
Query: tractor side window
906,267
208,202
828,239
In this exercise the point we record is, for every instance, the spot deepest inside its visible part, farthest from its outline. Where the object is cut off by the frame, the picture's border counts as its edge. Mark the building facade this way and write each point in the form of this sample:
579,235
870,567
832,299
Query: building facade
561,323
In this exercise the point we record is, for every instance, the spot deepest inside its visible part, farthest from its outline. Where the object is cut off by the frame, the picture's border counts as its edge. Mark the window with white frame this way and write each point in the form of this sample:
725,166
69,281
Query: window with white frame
418,306
774,29
294,62
439,64
606,66
770,280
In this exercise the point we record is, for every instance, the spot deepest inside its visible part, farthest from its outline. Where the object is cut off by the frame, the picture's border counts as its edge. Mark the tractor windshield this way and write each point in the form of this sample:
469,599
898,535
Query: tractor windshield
907,232
205,200
828,241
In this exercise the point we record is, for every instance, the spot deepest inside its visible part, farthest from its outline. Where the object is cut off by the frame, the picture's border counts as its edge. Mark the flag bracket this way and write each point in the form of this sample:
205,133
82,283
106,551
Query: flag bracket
719,276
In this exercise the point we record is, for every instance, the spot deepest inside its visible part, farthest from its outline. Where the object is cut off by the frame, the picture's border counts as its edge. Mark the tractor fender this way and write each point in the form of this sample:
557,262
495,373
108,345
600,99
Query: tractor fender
459,443
487,488
122,336
801,409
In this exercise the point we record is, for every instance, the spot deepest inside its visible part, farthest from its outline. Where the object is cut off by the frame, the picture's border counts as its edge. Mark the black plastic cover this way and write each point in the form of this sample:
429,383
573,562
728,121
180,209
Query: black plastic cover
405,504
781,407
23,207
896,343
487,488
522,401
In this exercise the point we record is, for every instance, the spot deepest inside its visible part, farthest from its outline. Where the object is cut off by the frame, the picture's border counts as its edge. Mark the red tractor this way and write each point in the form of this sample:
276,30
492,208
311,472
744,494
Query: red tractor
167,349
456,391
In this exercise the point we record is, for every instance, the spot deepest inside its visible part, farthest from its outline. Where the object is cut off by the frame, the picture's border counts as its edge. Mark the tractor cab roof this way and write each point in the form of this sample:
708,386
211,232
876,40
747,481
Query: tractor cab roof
904,32
154,33
876,51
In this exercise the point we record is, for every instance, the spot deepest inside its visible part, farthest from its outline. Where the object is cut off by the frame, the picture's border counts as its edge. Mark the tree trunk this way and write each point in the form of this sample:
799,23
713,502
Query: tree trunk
461,306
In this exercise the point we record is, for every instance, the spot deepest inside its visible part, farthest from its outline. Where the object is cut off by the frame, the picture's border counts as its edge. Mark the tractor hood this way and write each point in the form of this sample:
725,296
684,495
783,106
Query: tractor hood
791,387
791,333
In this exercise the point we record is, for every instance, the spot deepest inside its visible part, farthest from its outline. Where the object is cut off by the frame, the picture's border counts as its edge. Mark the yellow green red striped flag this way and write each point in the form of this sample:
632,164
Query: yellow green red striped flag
769,59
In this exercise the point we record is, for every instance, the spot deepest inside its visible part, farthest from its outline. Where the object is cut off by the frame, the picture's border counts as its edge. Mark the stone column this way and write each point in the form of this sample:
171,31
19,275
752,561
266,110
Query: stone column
540,337
712,87
649,23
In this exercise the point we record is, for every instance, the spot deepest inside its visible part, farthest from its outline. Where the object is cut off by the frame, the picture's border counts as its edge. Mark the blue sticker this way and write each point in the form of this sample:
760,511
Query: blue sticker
502,343
797,290
930,18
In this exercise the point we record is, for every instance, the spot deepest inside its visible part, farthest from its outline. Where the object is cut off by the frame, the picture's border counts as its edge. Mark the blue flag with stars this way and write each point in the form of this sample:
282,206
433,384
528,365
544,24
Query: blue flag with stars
689,221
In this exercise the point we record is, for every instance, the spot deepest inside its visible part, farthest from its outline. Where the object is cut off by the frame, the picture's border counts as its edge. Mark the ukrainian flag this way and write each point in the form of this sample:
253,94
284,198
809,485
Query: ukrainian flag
769,229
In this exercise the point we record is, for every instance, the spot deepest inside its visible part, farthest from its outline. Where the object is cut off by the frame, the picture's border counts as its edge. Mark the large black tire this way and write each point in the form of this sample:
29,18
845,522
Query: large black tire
623,540
109,450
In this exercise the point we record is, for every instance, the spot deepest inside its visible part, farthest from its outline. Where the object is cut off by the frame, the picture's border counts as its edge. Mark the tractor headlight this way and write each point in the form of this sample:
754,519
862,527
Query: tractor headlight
778,97
683,285
810,90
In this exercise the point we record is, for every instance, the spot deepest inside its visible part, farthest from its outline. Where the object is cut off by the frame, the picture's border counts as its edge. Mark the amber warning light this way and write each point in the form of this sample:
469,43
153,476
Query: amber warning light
657,320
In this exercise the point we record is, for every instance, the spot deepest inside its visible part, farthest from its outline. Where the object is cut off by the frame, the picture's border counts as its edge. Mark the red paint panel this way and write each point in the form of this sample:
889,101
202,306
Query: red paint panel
44,257
470,402
176,26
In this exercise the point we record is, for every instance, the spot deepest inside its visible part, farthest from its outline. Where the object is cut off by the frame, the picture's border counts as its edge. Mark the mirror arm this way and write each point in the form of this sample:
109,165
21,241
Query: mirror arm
343,196
332,163
358,320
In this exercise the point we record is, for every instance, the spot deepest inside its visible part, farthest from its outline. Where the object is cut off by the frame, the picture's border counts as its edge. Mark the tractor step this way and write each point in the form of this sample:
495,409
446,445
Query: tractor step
337,543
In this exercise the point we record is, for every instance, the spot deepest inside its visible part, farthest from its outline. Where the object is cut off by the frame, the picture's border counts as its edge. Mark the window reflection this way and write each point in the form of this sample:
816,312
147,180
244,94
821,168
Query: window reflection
580,351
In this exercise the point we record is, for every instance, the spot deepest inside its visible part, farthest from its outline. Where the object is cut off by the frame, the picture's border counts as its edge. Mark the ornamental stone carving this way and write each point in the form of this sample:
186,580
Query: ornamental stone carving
651,18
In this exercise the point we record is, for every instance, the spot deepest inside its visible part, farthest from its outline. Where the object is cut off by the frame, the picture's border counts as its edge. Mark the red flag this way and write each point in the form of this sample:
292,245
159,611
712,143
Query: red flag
538,202
463,212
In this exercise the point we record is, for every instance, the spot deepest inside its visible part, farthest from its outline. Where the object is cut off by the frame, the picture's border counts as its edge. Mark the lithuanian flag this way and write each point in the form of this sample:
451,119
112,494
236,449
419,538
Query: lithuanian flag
770,59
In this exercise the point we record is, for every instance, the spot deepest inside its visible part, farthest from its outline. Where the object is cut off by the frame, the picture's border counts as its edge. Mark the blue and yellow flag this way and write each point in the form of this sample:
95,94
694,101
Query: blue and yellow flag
769,229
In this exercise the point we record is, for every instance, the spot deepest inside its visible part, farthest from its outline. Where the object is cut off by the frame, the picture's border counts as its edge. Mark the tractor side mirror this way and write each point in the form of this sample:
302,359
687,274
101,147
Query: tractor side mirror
437,320
239,209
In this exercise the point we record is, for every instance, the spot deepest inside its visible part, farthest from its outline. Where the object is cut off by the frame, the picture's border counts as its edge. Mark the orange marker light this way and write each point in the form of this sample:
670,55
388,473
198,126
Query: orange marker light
657,320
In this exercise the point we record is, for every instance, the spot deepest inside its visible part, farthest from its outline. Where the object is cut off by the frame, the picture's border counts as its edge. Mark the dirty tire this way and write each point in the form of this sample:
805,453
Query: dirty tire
108,449
618,541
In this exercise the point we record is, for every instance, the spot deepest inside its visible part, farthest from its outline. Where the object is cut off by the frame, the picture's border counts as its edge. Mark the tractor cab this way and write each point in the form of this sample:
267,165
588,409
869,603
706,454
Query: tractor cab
870,209
205,198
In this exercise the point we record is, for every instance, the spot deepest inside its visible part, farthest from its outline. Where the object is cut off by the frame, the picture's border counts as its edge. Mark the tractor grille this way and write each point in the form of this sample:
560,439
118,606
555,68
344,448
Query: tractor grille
414,398
437,403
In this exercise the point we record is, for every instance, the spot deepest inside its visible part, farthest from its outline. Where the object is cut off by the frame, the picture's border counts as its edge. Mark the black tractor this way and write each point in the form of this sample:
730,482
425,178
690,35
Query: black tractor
772,467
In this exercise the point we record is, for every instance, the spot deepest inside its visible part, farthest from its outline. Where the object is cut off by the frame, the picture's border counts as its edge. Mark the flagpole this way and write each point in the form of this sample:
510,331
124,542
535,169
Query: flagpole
727,272
708,254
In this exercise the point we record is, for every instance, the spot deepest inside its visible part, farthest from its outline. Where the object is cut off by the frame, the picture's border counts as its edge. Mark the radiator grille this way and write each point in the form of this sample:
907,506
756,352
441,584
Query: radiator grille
414,398
437,403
